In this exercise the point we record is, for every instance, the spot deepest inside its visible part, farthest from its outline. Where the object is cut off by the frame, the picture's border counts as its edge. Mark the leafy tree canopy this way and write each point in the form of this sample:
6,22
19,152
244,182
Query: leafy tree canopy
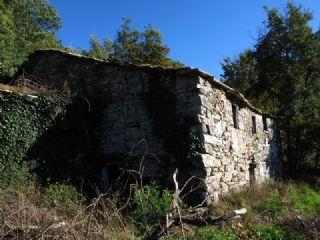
134,46
26,25
281,74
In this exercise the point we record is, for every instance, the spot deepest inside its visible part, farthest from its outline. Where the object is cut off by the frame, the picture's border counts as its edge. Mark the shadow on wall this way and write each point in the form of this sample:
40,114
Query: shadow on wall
67,151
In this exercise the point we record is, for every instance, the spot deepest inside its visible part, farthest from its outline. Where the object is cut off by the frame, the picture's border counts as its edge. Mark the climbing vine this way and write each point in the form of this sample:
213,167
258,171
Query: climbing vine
22,120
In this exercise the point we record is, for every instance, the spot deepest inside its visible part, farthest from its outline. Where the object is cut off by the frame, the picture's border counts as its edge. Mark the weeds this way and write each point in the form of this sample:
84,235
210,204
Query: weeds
206,233
269,232
273,206
276,211
305,199
63,198
25,215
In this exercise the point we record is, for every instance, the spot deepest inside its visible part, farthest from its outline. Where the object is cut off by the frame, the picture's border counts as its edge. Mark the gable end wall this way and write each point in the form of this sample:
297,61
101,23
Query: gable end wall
229,151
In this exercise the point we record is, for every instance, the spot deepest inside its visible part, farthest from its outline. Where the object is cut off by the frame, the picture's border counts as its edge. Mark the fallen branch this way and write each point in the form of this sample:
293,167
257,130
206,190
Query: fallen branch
199,219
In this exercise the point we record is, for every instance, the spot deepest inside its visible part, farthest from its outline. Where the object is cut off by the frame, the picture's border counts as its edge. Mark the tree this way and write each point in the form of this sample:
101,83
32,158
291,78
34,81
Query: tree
26,25
281,74
241,74
98,50
134,46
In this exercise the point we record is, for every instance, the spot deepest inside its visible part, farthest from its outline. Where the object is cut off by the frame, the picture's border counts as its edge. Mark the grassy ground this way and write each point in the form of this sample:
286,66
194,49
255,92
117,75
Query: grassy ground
275,211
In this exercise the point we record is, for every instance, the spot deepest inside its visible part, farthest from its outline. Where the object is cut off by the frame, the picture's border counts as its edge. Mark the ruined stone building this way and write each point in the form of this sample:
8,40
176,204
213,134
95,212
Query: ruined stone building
168,118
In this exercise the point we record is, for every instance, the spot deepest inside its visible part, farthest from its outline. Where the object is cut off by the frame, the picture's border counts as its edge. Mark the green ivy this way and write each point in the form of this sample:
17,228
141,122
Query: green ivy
22,120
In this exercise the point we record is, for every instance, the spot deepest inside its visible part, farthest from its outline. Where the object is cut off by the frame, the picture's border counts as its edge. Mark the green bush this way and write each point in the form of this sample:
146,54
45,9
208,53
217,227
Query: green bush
151,204
15,175
207,233
59,195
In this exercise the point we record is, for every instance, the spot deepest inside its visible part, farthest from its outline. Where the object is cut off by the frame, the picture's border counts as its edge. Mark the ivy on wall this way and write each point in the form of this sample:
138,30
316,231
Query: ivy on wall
22,120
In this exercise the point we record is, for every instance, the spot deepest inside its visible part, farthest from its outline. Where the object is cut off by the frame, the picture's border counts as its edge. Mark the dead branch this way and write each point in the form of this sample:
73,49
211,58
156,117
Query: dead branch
199,219
199,216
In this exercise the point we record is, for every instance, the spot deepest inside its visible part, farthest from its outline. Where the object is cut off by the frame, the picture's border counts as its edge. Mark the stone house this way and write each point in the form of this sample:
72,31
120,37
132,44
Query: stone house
160,119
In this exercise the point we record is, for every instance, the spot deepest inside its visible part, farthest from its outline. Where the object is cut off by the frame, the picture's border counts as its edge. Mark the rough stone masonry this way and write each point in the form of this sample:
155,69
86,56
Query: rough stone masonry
168,118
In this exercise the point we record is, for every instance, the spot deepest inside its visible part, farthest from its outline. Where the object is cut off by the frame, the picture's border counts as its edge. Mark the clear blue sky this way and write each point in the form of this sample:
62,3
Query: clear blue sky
200,33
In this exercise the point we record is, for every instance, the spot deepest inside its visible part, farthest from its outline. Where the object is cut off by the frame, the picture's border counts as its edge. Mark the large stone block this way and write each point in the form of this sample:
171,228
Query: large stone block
210,161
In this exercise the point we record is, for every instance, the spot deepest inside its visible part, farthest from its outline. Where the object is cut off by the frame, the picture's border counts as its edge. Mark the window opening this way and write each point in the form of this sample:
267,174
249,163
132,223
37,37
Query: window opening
235,116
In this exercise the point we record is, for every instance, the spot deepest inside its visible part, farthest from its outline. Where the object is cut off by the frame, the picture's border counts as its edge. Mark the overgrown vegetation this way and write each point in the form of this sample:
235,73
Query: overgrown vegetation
27,213
274,213
60,211
22,121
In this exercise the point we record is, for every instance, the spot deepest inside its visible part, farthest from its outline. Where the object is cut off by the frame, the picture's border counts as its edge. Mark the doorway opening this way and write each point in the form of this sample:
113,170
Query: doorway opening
252,175
109,175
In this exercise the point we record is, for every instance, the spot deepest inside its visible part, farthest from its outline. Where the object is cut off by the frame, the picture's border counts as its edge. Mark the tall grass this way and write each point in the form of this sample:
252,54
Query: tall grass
279,211
26,214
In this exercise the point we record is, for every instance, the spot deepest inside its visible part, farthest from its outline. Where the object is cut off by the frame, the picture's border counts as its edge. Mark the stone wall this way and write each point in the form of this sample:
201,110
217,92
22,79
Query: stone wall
126,126
117,91
234,156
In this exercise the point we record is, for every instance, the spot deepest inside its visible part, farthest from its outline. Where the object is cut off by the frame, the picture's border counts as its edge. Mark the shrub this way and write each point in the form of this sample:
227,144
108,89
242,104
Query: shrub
15,175
207,233
151,204
61,196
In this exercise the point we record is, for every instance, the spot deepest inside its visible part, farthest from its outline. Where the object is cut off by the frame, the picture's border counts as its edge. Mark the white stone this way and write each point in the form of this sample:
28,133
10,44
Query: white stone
227,177
210,161
212,139
225,160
